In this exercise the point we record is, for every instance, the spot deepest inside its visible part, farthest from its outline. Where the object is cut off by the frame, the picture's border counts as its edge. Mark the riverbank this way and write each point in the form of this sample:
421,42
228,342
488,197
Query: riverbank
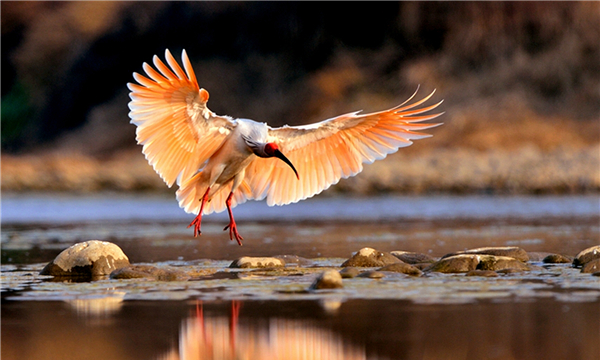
525,170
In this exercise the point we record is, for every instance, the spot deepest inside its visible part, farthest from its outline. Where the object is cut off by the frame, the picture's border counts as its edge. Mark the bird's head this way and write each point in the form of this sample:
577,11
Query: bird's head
268,150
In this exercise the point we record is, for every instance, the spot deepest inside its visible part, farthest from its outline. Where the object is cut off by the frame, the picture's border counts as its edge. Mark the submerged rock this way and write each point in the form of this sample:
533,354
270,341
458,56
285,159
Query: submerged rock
510,251
587,255
556,259
367,257
257,262
328,279
148,272
412,257
402,268
87,259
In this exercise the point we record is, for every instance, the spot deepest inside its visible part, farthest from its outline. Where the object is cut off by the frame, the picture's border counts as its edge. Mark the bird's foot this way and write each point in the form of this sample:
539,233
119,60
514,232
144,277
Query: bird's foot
196,223
233,233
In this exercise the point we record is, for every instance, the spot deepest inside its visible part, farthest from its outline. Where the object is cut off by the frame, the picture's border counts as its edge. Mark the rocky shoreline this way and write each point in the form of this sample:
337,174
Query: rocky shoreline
465,276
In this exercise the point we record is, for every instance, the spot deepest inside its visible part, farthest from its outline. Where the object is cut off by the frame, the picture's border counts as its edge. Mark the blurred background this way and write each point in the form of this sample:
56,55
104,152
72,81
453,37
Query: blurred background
520,83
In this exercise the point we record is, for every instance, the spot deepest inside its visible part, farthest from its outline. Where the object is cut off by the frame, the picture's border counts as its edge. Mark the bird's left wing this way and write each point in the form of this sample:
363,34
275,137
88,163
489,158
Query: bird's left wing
177,130
332,149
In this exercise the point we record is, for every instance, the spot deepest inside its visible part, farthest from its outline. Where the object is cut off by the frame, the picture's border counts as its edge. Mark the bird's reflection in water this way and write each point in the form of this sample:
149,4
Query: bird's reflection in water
206,337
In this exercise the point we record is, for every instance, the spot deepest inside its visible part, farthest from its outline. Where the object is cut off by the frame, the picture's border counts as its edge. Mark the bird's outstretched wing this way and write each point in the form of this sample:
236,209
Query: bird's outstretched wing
332,149
178,132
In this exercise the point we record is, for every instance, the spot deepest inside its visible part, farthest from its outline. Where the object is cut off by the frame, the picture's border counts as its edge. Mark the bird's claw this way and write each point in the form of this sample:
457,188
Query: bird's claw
233,233
196,223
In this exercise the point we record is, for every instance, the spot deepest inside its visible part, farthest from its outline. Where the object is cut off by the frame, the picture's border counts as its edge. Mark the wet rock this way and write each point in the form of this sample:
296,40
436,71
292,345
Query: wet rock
148,272
257,262
537,256
495,263
509,251
556,259
87,259
455,264
412,257
587,255
467,262
402,268
372,274
328,279
592,266
367,257
294,259
349,272
483,273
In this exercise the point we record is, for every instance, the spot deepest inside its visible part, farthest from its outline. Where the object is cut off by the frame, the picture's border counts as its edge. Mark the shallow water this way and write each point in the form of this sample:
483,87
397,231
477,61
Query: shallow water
551,312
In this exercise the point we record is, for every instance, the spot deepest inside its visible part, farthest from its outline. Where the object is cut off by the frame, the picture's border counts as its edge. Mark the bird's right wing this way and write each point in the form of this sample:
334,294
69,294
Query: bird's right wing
327,151
178,132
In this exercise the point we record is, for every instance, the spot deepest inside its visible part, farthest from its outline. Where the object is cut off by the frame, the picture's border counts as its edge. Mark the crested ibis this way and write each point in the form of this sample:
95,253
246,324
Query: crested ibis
219,162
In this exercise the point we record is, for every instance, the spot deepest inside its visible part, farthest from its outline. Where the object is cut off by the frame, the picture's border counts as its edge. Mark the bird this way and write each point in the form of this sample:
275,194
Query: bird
219,162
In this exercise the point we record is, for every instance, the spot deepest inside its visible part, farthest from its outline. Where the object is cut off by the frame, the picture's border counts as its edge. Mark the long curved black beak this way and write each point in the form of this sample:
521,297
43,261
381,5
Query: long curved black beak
280,155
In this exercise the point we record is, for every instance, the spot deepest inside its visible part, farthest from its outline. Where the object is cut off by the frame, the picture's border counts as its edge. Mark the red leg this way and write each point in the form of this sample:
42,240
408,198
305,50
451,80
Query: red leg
232,226
197,222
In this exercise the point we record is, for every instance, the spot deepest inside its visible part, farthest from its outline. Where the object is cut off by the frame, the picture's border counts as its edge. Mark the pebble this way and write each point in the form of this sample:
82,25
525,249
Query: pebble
412,257
556,259
402,268
368,257
257,262
87,259
587,255
148,272
349,272
510,251
328,279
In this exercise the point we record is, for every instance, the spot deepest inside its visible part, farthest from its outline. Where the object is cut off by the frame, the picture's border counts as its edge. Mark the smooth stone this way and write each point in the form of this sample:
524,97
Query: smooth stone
587,255
368,257
412,257
484,273
257,262
373,274
87,259
556,259
402,268
328,279
510,251
349,272
591,266
495,263
455,264
148,272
